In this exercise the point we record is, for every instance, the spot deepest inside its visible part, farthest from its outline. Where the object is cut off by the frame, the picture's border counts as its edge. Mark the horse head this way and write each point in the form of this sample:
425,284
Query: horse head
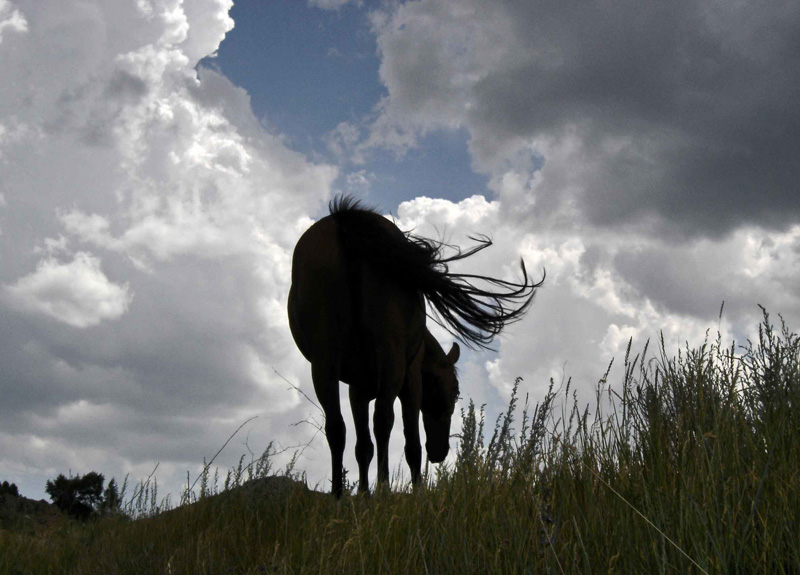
439,396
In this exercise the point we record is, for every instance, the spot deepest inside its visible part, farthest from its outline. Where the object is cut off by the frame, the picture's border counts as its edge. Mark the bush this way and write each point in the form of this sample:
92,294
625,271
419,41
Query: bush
111,499
80,496
5,487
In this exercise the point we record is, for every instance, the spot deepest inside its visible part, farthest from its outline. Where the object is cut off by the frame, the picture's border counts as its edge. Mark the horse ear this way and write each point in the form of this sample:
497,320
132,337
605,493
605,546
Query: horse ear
454,353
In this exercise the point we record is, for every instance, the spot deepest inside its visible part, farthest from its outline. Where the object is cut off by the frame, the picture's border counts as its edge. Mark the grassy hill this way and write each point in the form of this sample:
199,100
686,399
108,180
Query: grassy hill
691,466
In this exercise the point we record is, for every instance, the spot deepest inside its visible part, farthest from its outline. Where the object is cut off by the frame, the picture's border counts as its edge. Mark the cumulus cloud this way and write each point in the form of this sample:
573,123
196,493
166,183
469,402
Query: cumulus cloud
424,212
680,118
11,19
114,148
77,293
642,154
602,289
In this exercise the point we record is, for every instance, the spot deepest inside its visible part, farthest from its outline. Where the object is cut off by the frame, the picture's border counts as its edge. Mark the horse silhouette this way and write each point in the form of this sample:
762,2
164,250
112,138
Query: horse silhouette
357,314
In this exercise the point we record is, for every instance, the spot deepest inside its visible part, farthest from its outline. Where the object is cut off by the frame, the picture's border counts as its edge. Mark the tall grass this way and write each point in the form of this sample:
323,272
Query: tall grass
689,465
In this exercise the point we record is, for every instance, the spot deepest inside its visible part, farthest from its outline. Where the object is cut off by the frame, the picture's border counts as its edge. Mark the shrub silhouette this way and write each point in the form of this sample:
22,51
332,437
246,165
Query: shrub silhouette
111,499
5,487
79,496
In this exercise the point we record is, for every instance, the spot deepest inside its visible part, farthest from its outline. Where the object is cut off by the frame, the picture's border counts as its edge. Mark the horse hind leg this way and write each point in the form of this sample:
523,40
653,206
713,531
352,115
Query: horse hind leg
383,418
359,404
383,421
326,386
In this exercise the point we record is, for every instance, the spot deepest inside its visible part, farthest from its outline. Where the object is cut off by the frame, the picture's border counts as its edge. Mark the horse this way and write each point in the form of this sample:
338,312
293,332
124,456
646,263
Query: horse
357,313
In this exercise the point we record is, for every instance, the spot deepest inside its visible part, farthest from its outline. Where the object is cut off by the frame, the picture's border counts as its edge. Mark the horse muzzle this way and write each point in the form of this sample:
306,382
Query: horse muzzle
437,454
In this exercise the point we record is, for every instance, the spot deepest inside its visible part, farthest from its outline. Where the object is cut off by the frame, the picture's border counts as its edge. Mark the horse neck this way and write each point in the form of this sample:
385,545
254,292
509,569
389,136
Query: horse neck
433,351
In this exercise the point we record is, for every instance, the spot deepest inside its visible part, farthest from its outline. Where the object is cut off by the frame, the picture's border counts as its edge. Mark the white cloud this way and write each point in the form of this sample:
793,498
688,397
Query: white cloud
77,293
11,19
617,338
432,55
343,139
358,182
472,212
115,147
603,288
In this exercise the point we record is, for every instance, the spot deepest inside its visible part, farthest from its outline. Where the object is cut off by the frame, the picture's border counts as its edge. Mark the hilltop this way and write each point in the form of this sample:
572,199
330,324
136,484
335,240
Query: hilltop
19,513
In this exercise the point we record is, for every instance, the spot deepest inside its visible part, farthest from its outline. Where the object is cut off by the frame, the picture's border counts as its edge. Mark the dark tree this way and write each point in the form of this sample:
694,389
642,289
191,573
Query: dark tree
78,496
111,502
11,489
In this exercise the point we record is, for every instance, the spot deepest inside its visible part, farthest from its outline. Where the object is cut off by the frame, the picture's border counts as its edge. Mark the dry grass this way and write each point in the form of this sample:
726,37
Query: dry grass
692,467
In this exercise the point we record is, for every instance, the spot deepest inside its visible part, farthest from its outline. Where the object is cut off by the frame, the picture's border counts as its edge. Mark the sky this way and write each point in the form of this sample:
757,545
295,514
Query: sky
159,159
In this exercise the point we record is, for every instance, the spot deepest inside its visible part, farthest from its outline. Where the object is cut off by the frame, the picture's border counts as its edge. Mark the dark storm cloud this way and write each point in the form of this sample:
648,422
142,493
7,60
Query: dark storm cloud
687,111
675,283
752,267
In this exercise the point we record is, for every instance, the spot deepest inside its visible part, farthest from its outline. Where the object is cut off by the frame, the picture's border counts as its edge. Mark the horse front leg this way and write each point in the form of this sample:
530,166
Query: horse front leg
359,405
410,401
326,386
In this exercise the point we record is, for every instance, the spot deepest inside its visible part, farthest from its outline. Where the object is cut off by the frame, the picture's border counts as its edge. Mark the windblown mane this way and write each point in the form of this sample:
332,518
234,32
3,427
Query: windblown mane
472,314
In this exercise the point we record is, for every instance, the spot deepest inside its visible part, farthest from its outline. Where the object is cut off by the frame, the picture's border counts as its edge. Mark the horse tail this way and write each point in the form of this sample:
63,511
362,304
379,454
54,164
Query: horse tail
473,314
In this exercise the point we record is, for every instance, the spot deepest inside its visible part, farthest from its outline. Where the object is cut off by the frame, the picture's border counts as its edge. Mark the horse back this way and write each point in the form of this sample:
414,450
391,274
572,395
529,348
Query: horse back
345,311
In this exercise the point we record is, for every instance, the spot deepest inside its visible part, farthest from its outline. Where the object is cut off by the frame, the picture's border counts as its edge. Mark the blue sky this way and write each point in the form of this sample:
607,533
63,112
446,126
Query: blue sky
307,70
151,196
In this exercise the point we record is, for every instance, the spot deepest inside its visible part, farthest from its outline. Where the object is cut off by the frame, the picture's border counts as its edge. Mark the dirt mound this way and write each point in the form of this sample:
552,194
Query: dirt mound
264,487
275,486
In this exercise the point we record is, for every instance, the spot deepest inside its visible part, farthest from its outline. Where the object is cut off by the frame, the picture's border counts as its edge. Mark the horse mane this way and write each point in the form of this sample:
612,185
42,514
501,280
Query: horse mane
348,204
472,314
